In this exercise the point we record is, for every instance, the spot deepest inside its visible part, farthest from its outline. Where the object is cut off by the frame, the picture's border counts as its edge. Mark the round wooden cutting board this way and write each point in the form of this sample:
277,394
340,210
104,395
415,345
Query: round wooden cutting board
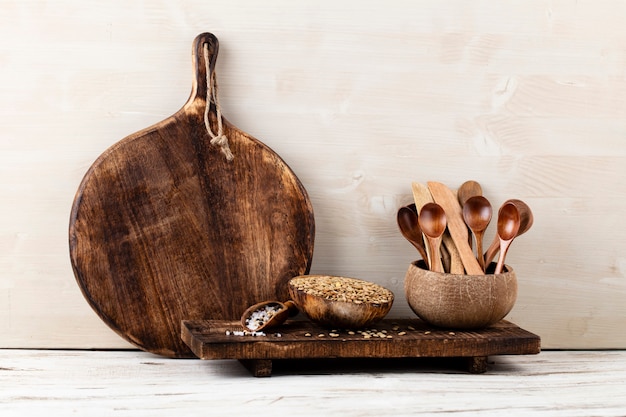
165,228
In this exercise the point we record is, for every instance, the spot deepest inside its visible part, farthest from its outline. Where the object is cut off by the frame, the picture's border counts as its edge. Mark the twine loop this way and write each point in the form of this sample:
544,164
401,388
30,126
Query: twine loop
219,138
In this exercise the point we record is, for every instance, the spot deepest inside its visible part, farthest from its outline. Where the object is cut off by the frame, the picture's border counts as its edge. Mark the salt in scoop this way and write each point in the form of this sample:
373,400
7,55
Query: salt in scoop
267,314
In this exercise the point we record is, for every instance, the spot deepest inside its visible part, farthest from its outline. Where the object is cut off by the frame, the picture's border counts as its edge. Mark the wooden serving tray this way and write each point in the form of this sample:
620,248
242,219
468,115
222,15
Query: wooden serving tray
299,339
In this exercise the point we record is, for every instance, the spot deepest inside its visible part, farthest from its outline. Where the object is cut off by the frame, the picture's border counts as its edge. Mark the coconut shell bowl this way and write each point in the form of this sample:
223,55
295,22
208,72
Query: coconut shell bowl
340,302
457,301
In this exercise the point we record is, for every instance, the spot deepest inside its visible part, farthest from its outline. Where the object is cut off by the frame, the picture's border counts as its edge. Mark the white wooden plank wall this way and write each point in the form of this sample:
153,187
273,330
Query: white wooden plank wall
360,99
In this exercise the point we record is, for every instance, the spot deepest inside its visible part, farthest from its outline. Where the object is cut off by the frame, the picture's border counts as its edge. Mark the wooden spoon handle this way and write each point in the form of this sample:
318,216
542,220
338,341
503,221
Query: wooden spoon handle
422,251
492,250
479,249
422,196
504,247
445,257
291,307
457,227
456,264
435,244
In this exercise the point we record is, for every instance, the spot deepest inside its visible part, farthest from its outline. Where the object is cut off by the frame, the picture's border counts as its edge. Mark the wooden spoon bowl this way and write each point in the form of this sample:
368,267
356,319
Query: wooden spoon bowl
457,301
340,302
468,190
409,227
477,214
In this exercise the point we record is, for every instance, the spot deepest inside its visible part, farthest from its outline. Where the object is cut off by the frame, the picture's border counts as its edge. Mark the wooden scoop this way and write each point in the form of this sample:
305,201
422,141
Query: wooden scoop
275,314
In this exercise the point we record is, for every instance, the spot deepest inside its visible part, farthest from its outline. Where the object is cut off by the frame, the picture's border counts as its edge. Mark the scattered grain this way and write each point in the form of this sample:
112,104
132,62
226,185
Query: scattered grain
243,333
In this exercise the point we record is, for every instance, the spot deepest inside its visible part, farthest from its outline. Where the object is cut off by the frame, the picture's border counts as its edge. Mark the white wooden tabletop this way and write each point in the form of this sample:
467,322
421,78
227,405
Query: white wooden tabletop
121,383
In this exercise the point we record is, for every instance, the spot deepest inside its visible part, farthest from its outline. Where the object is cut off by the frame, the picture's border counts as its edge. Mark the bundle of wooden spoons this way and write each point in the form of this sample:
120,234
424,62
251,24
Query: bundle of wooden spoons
460,220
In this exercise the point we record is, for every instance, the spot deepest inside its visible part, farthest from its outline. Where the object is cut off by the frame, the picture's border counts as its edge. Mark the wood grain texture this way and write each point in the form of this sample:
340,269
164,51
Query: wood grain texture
404,338
61,383
165,228
526,98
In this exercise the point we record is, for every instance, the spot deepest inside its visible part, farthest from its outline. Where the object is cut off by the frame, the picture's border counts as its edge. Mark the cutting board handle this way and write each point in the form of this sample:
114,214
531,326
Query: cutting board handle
199,86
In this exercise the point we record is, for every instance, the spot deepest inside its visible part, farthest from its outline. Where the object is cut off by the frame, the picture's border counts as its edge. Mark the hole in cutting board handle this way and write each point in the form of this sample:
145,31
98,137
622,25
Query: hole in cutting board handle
199,87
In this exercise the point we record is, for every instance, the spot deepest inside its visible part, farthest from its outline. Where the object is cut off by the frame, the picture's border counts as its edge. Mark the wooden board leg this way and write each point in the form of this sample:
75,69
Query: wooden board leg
258,367
477,364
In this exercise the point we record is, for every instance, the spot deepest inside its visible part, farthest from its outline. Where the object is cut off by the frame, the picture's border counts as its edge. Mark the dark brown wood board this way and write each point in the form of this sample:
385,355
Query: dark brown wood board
164,227
410,338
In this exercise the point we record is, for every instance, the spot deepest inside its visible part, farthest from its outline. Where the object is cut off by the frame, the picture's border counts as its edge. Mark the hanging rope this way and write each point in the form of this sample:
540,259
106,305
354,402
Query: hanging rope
219,138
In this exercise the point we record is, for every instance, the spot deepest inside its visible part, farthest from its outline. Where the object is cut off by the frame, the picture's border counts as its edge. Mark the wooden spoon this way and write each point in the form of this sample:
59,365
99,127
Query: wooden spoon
477,213
526,222
421,195
467,190
508,227
446,258
432,220
279,313
410,229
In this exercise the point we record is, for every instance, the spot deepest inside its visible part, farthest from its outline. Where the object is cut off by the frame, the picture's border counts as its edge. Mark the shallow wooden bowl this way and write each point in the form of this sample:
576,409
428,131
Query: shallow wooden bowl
459,301
354,312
